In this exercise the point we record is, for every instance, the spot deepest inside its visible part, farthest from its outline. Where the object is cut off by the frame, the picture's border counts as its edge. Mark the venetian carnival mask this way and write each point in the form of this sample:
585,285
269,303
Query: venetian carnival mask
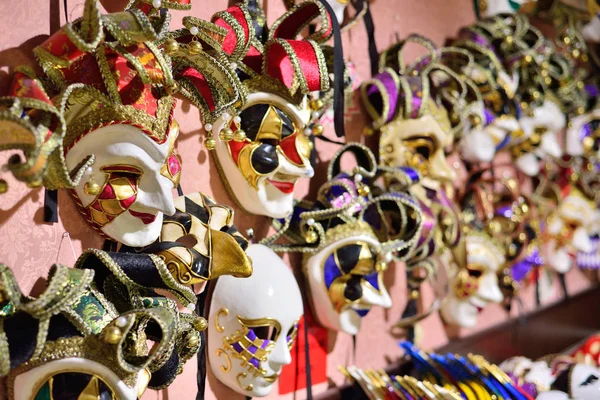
570,229
474,287
265,166
346,278
413,138
348,239
582,138
83,347
129,187
579,381
490,8
101,119
263,149
538,139
253,324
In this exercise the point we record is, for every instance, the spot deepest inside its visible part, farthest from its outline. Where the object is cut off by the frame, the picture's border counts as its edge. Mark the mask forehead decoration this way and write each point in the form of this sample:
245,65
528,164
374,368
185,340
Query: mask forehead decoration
91,349
253,324
217,247
263,144
348,237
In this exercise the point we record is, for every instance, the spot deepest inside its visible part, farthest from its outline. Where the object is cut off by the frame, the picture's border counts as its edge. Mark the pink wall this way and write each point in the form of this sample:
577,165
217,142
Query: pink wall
30,247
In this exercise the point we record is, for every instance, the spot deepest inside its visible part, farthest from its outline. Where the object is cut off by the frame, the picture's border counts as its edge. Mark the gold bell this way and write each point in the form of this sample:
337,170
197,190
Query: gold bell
194,47
239,135
318,130
364,190
200,324
367,131
91,188
226,135
171,47
316,105
3,186
311,236
210,143
588,143
414,295
193,340
113,335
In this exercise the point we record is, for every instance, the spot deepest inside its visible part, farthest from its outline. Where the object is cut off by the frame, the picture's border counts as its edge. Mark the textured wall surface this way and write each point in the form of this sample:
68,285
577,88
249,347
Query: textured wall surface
29,246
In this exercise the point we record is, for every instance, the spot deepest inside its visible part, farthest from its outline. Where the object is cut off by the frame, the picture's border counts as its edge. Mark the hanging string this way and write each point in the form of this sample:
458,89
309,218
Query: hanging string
67,236
338,72
51,206
307,365
179,190
65,6
373,52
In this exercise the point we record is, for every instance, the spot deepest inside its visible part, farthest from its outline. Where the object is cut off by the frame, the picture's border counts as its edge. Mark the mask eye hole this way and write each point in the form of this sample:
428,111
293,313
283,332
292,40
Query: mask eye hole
265,332
590,380
474,272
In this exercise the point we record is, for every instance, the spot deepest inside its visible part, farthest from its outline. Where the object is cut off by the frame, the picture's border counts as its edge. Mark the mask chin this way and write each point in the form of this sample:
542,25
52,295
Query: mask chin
591,31
581,240
560,261
458,312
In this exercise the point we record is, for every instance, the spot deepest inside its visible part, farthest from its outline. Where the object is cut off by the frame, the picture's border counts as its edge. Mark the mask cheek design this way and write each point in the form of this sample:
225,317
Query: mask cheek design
249,348
292,335
59,385
117,195
348,272
467,281
296,149
171,169
257,160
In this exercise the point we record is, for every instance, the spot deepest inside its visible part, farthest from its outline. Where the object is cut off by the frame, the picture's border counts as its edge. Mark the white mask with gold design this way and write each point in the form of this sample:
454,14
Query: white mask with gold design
261,167
125,193
489,8
253,324
540,137
570,229
473,288
419,144
345,279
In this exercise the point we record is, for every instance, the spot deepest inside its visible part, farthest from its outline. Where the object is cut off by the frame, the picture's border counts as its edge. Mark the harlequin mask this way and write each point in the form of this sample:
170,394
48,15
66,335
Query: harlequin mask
253,324
217,247
73,343
263,149
107,108
474,287
349,237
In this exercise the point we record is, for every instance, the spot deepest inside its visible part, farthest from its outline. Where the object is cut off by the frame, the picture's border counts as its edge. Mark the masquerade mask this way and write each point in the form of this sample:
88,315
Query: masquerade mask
217,247
72,342
475,286
253,324
339,8
414,128
348,238
109,108
583,136
263,149
490,8
580,381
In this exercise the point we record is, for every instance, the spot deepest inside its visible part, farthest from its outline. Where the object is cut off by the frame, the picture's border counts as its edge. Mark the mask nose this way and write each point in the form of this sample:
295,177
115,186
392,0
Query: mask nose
286,167
157,195
280,356
491,292
439,167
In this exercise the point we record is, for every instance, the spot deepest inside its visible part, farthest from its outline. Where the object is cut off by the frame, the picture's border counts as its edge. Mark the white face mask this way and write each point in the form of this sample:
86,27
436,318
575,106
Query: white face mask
489,8
581,140
475,287
262,171
345,283
129,187
585,382
253,323
542,129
